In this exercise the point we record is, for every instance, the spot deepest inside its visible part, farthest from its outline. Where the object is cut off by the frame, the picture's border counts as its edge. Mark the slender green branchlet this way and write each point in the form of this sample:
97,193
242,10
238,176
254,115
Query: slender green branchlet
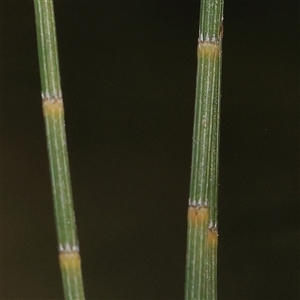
53,111
201,265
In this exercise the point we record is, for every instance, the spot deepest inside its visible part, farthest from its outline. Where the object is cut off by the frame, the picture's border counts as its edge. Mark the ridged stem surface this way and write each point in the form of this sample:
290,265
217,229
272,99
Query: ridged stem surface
201,265
53,111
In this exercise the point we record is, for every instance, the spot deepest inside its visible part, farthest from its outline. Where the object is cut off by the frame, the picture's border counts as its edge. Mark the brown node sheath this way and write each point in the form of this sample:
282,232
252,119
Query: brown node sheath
209,49
69,260
55,106
198,214
212,237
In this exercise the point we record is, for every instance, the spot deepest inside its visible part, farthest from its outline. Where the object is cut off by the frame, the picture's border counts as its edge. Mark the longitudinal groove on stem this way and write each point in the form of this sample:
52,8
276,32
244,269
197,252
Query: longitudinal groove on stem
61,183
53,111
201,263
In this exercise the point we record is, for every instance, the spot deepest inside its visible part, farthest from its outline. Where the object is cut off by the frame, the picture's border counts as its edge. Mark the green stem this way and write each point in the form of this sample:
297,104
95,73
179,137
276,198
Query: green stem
53,111
201,263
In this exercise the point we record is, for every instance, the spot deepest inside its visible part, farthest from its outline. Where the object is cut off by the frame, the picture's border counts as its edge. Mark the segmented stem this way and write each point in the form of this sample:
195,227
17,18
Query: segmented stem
53,111
201,266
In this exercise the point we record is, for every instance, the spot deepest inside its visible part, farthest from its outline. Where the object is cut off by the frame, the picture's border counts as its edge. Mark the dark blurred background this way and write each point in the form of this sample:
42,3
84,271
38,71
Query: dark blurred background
128,77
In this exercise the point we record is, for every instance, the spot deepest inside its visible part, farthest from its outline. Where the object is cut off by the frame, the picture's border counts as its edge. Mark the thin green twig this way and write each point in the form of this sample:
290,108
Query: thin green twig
201,265
53,111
